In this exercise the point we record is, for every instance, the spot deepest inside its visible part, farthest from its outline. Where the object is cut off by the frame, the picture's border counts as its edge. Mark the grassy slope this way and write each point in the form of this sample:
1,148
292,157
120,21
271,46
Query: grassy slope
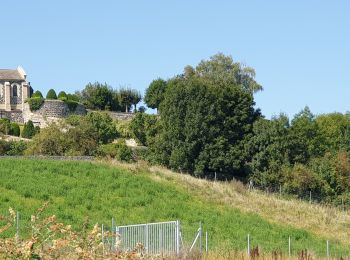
77,190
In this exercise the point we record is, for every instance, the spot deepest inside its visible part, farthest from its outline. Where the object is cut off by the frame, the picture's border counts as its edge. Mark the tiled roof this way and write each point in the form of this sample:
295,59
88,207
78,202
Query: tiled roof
10,75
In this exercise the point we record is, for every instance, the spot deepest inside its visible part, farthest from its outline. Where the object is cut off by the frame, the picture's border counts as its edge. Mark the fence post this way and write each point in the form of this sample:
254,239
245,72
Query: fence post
289,246
206,242
310,200
146,238
177,237
113,234
200,237
248,245
327,249
17,227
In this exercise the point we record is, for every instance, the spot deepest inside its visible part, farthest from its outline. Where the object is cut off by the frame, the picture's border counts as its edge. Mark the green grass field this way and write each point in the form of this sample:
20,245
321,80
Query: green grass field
78,191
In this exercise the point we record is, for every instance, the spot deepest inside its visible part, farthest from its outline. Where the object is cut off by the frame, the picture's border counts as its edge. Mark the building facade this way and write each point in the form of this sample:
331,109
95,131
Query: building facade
14,89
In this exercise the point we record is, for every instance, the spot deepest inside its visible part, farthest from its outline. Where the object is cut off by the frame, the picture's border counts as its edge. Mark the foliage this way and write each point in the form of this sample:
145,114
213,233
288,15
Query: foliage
14,129
128,97
62,96
144,128
118,150
155,93
73,97
221,70
104,125
64,140
98,96
204,128
35,103
72,105
37,94
12,147
51,239
51,94
5,126
29,130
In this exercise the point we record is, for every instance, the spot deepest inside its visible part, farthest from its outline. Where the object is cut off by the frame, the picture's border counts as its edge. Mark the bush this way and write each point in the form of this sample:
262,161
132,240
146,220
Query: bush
118,150
12,147
73,97
65,140
29,130
62,96
14,129
104,125
5,126
51,94
37,94
72,105
35,103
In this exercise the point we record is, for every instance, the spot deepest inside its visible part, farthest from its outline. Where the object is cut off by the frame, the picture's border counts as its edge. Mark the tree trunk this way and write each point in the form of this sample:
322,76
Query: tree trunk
126,108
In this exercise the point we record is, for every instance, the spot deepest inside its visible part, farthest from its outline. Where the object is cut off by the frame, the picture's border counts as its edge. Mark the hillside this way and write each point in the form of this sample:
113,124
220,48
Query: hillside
134,193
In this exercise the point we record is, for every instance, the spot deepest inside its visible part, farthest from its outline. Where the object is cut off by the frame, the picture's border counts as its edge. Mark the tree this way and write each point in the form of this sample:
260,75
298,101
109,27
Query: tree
5,126
136,98
155,93
104,125
144,128
204,128
14,129
37,94
97,96
29,130
269,149
126,97
62,95
51,94
222,70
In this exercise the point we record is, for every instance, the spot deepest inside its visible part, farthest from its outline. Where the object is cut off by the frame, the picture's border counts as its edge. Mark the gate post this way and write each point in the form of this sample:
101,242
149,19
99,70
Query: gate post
177,237
146,238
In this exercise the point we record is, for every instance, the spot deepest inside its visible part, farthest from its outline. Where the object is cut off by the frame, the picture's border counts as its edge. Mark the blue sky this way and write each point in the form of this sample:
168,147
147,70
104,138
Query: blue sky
300,49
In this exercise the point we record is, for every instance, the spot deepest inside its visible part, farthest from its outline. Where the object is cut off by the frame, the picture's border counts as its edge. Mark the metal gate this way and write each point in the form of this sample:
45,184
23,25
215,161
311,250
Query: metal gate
155,238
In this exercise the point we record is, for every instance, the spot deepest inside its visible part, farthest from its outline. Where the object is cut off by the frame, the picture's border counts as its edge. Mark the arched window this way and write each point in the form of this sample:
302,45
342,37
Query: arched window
14,91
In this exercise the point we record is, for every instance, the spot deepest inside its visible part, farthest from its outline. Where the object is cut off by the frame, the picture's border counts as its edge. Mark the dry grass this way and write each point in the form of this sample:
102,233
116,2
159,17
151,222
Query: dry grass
326,222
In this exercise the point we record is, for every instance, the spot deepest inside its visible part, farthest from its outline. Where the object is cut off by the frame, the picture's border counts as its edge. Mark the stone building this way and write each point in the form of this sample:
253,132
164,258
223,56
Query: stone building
14,89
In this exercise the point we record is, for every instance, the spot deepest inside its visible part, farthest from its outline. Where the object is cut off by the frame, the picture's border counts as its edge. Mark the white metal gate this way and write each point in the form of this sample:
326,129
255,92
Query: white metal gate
156,238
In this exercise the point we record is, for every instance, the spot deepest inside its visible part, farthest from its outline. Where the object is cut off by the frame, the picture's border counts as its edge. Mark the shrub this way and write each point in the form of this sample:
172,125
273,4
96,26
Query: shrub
51,94
14,129
118,150
5,126
73,97
12,147
29,130
35,103
72,105
17,148
62,96
104,125
37,94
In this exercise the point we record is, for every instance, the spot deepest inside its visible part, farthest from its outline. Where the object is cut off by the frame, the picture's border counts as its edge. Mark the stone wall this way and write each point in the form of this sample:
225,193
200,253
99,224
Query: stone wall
121,115
50,111
14,116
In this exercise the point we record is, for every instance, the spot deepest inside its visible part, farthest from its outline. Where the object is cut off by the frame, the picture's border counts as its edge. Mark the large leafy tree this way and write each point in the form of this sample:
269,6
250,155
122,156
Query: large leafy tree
155,93
204,127
97,96
221,70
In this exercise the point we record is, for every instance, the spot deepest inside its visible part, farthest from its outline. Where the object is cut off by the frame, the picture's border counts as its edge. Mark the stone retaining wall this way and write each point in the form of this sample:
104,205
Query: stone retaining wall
13,116
50,111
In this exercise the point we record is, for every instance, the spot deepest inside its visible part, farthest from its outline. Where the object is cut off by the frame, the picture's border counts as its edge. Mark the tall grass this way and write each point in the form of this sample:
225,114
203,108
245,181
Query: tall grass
81,191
